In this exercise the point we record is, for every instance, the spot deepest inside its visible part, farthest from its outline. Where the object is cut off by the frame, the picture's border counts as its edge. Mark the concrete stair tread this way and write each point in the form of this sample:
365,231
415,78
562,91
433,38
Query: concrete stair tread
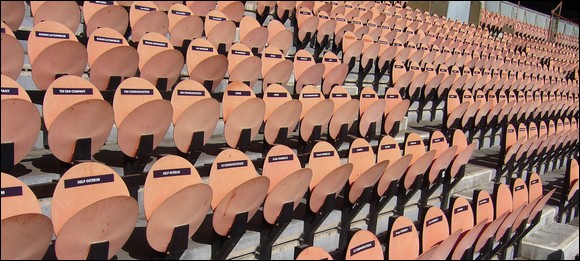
548,240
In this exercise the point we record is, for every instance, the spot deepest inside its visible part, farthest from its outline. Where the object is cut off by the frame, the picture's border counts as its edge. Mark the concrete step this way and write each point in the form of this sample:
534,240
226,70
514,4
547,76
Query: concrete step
553,241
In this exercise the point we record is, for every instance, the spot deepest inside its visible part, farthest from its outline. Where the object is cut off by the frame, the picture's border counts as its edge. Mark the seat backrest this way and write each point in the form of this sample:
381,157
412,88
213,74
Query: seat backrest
52,38
20,118
242,65
461,215
503,199
154,48
12,14
172,184
279,37
201,8
323,159
438,142
274,97
219,29
392,100
414,146
191,98
275,68
453,101
361,156
130,94
572,171
30,231
234,10
82,187
109,54
12,51
183,24
519,193
99,14
201,55
65,92
364,245
230,169
510,136
146,17
314,253
340,96
309,97
280,162
302,61
535,187
65,13
236,93
403,240
435,228
236,189
367,97
483,206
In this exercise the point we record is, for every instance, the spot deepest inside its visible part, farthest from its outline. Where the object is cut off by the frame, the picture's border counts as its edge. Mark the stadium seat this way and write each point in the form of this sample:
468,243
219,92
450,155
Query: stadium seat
91,208
195,117
51,39
12,53
205,65
111,59
238,192
20,123
104,14
145,17
175,199
26,232
243,114
77,118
